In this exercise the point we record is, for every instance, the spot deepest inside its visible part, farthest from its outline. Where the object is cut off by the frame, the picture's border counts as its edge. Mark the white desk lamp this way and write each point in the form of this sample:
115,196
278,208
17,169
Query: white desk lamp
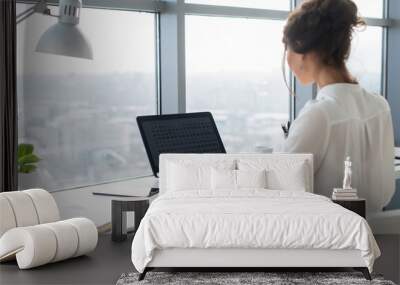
63,38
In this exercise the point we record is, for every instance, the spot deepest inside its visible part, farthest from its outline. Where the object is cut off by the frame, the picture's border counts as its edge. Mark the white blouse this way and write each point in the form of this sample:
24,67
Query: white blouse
345,120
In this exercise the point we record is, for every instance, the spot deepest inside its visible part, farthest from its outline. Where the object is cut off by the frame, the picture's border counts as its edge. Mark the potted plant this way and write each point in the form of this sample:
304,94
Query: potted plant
27,160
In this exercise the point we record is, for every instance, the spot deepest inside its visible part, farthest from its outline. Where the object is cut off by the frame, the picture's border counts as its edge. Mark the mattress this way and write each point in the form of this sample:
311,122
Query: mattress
250,219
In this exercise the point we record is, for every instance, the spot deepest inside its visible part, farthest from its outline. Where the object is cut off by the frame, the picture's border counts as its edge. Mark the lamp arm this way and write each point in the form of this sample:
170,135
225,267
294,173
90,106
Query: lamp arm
40,7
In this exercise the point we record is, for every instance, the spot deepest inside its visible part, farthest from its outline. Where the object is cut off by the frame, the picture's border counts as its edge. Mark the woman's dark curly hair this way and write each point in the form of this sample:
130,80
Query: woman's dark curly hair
325,27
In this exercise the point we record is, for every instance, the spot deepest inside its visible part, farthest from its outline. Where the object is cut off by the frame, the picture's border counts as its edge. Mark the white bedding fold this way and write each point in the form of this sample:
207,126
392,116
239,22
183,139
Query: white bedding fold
250,219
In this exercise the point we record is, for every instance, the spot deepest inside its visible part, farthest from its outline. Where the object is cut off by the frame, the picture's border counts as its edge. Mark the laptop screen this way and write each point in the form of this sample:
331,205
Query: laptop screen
179,133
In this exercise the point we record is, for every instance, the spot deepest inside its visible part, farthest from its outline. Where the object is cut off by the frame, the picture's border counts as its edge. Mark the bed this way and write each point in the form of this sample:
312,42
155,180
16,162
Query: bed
247,210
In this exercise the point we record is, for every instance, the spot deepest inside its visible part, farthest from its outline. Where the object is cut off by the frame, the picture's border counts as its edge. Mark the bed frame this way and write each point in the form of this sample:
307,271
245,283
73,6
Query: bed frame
242,259
260,259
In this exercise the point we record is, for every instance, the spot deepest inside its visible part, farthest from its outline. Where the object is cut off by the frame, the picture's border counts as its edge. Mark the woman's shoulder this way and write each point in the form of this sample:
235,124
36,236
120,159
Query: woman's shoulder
377,100
315,107
343,104
315,110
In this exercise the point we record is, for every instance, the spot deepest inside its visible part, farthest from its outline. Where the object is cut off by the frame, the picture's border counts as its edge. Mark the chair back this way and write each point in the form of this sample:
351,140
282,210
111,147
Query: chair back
27,208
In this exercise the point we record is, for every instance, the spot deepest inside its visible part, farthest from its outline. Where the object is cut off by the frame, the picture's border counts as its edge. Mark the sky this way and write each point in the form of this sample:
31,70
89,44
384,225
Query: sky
216,44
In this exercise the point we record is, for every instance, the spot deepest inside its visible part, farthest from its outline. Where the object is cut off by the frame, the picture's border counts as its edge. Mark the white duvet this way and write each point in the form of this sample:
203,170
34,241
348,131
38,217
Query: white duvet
250,219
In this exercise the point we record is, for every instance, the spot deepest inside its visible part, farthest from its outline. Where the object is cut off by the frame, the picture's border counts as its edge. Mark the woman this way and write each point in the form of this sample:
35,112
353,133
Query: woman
344,119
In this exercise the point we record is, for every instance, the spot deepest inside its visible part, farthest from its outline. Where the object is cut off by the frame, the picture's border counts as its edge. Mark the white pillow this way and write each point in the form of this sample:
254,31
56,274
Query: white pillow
188,175
226,179
281,174
293,180
251,178
223,179
183,178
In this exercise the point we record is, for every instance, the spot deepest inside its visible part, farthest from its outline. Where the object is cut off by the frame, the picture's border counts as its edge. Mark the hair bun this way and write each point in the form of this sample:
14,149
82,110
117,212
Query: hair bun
323,26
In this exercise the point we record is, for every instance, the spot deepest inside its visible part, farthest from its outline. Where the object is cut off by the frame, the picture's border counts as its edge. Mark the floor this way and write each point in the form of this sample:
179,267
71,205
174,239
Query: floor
103,266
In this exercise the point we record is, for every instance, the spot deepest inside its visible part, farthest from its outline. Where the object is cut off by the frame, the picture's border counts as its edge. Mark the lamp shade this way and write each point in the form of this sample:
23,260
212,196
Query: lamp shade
65,39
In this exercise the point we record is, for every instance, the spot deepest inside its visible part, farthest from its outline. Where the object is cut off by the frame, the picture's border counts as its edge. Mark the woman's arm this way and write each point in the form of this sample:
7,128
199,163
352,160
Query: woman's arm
309,133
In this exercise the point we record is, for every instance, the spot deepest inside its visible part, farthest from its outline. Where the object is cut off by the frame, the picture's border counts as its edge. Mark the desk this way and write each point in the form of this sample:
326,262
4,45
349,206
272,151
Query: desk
119,208
120,205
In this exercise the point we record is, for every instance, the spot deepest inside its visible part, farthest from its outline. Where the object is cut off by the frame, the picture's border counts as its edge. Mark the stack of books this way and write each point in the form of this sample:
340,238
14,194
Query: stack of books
344,194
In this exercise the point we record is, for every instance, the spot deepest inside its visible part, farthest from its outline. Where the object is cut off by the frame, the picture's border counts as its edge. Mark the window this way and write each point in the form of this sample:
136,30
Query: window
81,114
260,4
371,9
234,70
365,61
366,57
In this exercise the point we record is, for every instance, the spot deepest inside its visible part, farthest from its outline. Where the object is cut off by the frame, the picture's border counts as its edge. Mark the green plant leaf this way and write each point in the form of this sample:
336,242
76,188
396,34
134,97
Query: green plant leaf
26,158
27,168
30,158
25,149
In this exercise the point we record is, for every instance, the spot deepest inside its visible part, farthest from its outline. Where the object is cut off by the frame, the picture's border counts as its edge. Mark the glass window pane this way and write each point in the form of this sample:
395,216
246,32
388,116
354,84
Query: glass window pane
369,8
233,69
260,4
81,114
365,61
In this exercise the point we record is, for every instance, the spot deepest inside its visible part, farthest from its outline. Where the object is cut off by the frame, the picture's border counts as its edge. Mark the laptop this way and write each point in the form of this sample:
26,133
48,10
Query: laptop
179,133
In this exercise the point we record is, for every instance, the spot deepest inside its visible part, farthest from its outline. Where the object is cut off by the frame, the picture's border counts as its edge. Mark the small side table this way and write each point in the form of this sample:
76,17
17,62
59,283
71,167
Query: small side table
357,206
119,207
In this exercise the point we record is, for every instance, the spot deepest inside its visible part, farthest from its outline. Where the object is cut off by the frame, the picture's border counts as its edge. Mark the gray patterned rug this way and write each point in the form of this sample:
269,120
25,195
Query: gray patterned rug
244,278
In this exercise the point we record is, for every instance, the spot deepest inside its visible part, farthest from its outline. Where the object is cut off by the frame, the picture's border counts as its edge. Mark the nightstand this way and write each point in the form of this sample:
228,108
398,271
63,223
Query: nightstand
357,206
